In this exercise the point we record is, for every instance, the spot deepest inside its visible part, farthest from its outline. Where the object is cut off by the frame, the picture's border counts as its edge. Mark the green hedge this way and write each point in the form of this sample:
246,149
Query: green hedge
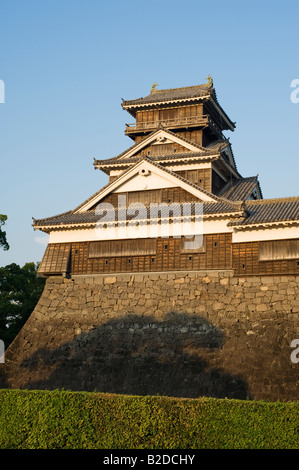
81,420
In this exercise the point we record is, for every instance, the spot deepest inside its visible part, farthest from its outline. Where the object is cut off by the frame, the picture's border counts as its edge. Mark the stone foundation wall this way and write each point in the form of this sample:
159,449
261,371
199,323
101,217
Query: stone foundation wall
177,334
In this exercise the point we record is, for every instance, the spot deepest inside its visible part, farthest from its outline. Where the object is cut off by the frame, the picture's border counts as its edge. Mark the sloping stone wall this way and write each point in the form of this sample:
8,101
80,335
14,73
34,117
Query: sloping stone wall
178,334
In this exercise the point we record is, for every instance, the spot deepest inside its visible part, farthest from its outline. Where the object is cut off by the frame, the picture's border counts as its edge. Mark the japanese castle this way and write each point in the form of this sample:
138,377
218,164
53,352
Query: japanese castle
179,159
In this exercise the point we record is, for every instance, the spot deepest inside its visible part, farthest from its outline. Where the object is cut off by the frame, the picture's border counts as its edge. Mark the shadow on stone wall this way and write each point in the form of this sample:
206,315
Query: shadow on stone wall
141,356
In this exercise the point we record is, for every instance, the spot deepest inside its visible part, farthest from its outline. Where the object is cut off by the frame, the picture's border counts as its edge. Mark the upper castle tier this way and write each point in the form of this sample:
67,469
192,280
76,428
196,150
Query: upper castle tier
182,130
192,112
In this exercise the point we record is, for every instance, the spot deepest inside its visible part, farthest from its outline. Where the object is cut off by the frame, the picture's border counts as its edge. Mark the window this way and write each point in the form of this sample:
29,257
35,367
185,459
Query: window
278,249
169,113
105,249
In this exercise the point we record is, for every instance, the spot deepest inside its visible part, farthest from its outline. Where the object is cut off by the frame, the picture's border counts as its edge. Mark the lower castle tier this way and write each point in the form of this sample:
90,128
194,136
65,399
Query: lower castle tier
178,180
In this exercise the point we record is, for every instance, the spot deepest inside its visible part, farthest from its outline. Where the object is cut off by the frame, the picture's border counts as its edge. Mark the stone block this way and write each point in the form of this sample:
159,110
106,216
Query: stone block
218,305
262,307
179,280
277,297
110,280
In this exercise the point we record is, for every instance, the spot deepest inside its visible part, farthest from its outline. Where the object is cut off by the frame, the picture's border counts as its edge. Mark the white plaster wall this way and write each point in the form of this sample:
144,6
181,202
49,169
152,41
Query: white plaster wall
139,182
279,233
206,227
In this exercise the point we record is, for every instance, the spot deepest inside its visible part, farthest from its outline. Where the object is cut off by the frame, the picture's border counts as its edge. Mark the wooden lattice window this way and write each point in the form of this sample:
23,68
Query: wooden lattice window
112,248
168,113
278,249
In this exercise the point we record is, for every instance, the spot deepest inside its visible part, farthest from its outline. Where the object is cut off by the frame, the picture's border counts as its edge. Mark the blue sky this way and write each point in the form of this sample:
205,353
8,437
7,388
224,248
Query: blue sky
66,65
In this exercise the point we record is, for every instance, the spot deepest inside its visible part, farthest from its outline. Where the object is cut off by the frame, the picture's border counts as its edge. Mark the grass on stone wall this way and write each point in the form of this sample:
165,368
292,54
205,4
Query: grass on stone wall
83,420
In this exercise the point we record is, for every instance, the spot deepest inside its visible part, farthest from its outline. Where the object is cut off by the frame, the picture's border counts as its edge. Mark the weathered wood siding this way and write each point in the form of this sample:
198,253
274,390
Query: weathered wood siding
107,248
167,195
194,135
278,249
200,177
162,149
164,114
165,254
249,257
169,255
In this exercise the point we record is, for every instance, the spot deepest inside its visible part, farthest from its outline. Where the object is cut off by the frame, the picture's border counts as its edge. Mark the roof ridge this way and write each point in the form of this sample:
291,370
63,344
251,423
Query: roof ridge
204,89
164,156
273,200
205,85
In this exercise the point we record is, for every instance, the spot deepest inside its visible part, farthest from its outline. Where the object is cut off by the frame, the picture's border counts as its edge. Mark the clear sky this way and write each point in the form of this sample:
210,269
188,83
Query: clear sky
66,64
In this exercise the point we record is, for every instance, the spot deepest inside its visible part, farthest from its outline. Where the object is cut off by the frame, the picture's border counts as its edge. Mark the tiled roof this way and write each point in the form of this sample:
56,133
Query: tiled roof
68,218
214,147
239,189
90,218
204,91
259,212
269,211
167,156
171,94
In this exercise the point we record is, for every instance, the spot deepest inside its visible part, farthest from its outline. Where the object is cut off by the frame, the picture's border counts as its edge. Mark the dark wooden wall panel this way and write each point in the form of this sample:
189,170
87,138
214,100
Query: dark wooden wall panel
217,254
246,261
166,195
201,178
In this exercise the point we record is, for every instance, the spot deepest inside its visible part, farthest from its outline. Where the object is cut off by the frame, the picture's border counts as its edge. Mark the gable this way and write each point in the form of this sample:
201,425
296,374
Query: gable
160,137
145,176
165,148
146,179
152,196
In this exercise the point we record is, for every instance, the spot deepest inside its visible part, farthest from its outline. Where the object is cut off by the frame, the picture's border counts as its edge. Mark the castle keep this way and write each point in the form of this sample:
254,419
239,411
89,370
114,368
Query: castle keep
131,307
179,155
